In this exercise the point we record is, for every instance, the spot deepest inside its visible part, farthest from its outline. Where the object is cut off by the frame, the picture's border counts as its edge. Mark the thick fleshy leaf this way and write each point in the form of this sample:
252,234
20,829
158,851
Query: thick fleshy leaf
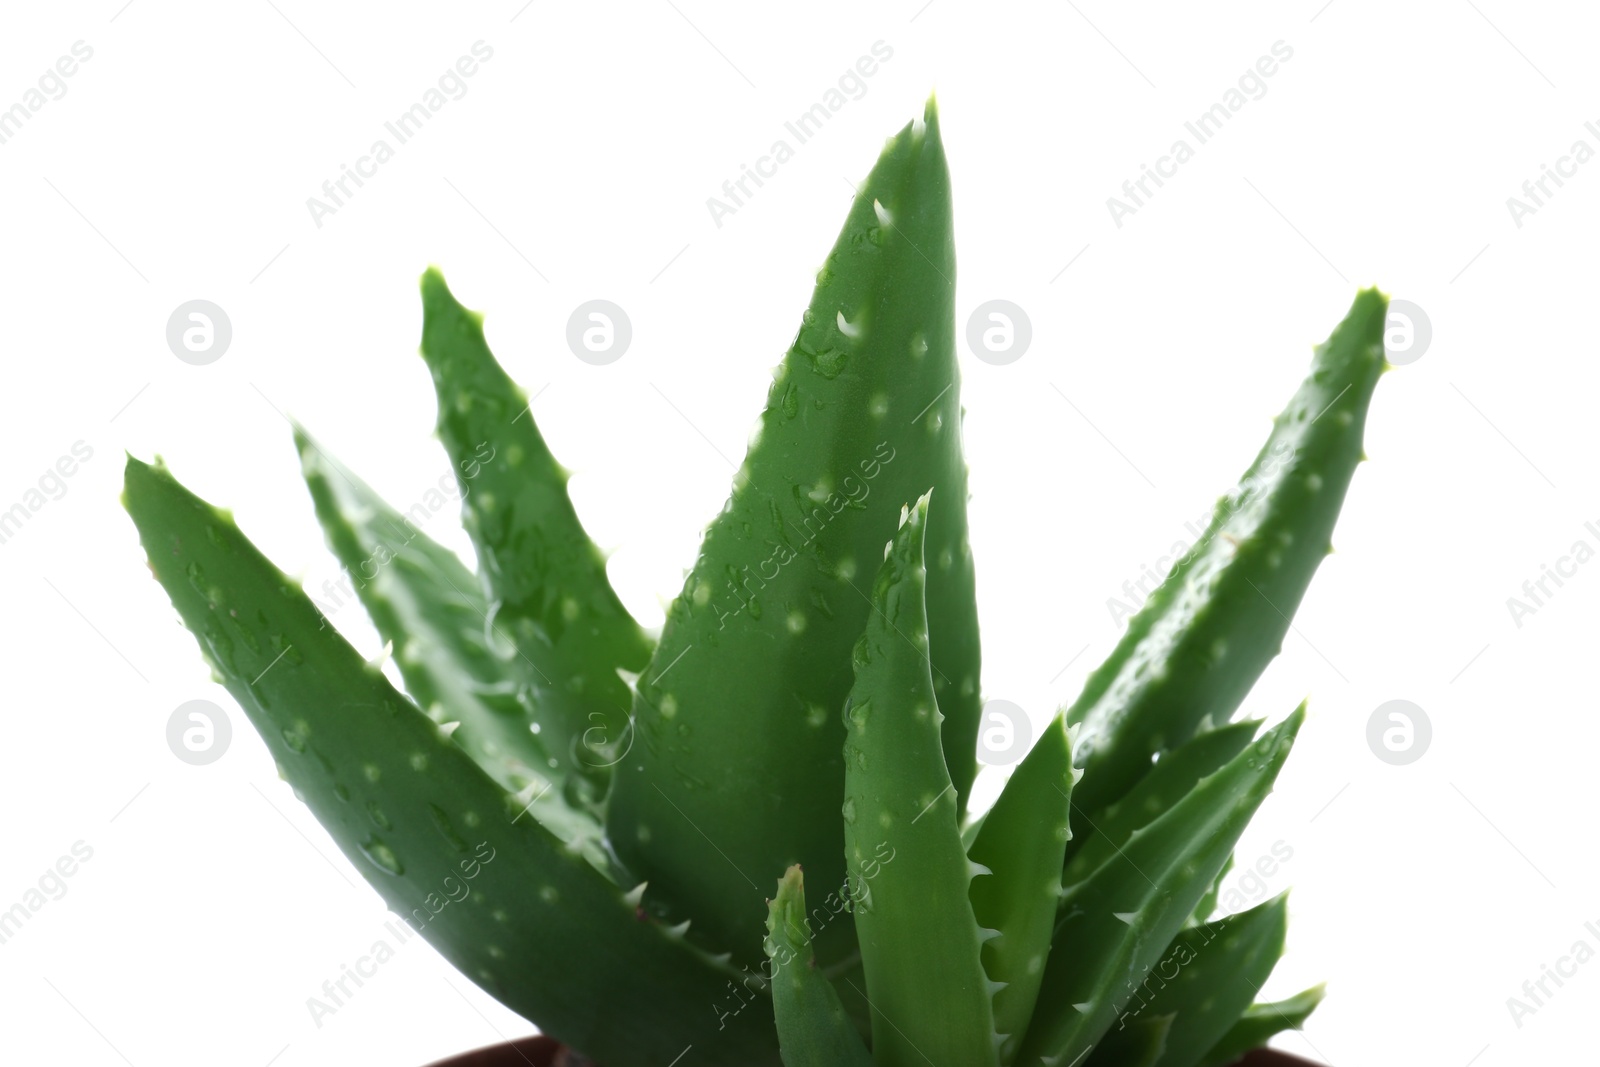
430,607
1115,925
1203,638
1020,845
545,579
1168,782
910,875
447,847
1208,903
737,773
813,1029
1259,1024
1139,1044
1206,979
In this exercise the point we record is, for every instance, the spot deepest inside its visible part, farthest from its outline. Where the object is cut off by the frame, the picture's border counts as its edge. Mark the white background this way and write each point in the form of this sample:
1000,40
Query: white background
578,164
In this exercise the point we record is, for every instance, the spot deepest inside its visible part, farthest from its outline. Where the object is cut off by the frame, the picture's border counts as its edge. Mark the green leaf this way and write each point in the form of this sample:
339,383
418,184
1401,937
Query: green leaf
919,940
737,773
1020,844
1115,926
1208,903
848,978
424,601
813,1029
546,580
1206,979
1203,638
1259,1024
1140,1044
428,604
1168,782
447,847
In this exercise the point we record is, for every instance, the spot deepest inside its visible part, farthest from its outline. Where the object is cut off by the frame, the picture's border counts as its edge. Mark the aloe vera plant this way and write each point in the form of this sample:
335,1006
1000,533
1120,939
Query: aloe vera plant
619,807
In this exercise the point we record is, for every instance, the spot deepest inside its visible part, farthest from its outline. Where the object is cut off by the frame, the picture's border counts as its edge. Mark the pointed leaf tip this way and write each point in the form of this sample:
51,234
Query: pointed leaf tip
813,1028
432,283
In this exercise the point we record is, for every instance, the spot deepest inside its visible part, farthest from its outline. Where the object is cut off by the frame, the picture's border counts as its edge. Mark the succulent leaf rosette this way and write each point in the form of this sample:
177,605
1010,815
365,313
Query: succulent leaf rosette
618,806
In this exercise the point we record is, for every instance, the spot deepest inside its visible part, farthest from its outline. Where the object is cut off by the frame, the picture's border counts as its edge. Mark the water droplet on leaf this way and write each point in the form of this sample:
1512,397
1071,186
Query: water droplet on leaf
382,856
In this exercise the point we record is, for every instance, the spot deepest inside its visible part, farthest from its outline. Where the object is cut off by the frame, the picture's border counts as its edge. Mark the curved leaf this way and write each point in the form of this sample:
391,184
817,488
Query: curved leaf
1168,782
425,602
739,733
1206,979
1139,1044
908,871
545,579
448,849
1258,1025
1115,926
1020,846
1203,638
813,1029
